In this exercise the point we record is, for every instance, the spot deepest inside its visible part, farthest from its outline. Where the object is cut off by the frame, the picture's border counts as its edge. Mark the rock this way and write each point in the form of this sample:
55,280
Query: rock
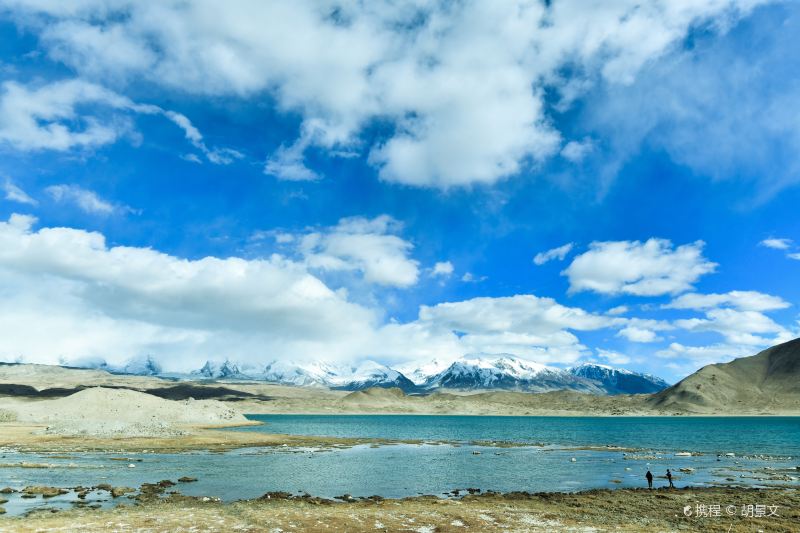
473,491
116,492
104,486
476,453
686,470
46,492
187,479
346,498
28,496
166,483
3,500
2,511
276,495
9,490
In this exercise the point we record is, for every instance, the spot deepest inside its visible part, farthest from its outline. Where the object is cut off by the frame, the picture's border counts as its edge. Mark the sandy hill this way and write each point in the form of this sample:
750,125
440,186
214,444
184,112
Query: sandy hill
120,412
768,382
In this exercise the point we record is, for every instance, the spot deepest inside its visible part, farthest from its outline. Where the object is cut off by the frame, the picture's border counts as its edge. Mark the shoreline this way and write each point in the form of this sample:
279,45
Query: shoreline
627,510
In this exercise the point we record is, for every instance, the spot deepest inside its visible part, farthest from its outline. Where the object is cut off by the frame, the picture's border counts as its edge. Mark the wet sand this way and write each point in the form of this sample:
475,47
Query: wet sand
591,511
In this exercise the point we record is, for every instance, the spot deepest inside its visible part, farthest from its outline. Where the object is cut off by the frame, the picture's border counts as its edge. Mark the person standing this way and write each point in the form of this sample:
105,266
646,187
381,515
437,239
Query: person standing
669,478
649,476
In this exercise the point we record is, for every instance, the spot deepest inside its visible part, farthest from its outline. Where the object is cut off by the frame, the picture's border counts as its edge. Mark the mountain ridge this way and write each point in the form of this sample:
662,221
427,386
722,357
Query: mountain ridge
472,372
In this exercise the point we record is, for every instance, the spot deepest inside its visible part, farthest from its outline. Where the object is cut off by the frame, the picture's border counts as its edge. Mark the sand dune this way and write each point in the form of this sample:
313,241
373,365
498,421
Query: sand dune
120,412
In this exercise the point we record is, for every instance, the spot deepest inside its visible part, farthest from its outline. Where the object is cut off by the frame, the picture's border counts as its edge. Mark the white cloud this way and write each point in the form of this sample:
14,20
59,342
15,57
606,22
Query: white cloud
43,118
469,277
794,256
691,358
739,89
635,334
738,327
460,86
618,310
86,200
56,116
556,253
288,163
576,151
652,268
68,296
443,268
777,244
742,300
526,325
15,194
369,246
615,358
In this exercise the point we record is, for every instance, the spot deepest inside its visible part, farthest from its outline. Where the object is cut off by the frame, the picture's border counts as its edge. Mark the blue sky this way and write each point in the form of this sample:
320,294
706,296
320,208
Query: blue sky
341,181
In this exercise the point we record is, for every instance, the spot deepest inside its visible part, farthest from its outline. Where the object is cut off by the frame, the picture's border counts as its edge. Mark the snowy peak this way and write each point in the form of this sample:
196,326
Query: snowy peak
619,380
471,372
226,370
506,372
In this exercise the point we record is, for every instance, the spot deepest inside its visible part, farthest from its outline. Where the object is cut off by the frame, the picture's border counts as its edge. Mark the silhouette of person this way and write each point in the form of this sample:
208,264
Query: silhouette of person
649,476
669,478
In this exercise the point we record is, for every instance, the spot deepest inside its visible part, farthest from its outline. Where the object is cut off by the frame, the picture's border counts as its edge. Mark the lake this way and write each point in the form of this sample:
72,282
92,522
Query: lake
555,463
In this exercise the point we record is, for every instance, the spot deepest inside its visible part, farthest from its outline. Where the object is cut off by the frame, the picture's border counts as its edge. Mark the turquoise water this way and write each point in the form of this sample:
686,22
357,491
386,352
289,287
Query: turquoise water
744,435
410,469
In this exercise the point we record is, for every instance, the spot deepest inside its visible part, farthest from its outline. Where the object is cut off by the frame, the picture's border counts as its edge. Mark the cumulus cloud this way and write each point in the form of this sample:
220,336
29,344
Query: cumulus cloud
14,193
68,296
742,300
368,246
650,268
443,268
777,244
738,327
556,253
526,325
635,334
615,358
93,300
794,256
86,200
460,86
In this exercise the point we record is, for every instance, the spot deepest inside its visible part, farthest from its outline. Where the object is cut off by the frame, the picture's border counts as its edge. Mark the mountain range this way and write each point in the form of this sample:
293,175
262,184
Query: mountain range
469,373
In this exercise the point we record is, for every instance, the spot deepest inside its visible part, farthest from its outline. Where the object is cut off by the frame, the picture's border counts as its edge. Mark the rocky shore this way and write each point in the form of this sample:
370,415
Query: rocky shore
160,507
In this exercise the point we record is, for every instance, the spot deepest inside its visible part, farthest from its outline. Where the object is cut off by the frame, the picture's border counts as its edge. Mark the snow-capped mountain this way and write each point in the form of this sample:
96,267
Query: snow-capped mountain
318,374
619,380
471,372
507,372
225,370
420,373
371,374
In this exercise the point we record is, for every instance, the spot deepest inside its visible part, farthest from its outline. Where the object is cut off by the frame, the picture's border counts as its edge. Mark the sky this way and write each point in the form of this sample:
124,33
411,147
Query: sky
565,181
